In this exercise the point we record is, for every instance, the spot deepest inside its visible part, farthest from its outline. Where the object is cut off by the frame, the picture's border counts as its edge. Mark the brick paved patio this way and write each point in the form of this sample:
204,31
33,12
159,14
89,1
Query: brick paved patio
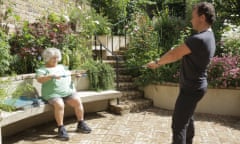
151,126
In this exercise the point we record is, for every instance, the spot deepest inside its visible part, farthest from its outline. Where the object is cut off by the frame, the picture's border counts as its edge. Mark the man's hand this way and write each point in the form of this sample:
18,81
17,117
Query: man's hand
152,65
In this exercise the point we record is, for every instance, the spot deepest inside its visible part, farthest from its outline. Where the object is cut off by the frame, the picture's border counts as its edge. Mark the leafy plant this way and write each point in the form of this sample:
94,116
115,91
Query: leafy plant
88,22
146,45
4,95
142,48
114,10
77,49
27,44
101,75
5,56
24,89
169,29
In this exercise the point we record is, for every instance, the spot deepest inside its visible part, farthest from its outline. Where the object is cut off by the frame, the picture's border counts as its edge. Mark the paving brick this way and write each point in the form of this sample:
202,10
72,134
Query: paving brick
150,126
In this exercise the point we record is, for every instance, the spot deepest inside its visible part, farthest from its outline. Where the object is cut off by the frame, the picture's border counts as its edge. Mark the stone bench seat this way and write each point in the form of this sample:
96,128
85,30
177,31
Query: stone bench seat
9,118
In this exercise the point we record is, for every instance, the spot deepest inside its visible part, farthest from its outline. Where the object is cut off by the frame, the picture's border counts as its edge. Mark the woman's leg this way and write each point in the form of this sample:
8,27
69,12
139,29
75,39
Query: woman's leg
75,102
58,105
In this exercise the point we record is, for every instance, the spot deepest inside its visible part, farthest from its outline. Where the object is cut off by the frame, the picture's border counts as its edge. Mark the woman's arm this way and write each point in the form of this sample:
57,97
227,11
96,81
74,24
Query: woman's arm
43,79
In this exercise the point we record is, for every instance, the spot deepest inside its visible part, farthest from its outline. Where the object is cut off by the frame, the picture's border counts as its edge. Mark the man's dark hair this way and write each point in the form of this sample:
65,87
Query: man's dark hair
207,9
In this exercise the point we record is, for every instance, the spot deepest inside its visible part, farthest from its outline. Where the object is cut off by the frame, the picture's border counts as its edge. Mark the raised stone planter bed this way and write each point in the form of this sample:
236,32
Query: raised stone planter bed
215,101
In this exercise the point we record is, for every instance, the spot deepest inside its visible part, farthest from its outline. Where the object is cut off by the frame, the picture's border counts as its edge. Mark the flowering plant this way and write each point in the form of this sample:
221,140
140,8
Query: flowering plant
230,39
28,43
224,71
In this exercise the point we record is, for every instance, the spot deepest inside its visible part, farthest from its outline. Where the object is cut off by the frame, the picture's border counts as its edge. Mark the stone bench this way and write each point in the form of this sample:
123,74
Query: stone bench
13,122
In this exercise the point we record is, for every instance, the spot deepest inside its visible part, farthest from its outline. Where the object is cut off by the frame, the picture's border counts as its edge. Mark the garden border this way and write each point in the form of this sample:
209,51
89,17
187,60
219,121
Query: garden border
217,101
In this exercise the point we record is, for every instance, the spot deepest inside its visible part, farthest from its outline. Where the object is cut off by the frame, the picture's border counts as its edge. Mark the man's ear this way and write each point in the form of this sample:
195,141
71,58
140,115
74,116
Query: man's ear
203,17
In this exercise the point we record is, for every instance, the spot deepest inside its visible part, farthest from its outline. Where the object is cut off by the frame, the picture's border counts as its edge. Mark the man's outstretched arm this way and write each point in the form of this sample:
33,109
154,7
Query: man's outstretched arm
171,56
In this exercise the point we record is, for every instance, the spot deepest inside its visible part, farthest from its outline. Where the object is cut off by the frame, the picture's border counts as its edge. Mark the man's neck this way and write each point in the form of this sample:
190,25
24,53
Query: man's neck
203,28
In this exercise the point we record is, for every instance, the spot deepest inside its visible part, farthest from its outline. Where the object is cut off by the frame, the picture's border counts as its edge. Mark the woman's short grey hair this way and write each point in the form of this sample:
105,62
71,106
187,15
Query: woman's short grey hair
48,53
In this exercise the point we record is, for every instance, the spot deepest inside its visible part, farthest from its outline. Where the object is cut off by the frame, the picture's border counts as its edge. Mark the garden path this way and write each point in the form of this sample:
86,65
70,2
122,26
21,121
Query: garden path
150,126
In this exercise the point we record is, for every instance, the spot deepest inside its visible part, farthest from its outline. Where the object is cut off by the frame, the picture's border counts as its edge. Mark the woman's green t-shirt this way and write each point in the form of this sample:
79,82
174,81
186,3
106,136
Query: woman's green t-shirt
56,87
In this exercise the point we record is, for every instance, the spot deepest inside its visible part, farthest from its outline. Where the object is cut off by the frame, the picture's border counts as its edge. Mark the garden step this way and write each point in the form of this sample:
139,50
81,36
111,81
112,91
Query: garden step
113,63
134,105
123,49
118,52
113,57
125,78
133,94
124,86
97,54
122,71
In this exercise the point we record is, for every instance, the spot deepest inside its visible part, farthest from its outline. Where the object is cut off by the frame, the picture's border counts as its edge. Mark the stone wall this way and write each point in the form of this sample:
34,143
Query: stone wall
31,10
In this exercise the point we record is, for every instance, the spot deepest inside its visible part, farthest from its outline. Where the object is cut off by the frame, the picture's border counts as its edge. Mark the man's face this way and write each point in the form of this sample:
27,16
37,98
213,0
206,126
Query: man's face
196,20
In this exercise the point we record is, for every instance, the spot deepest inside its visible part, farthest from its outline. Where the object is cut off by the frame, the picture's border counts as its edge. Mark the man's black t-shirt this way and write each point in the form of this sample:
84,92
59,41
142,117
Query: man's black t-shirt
194,65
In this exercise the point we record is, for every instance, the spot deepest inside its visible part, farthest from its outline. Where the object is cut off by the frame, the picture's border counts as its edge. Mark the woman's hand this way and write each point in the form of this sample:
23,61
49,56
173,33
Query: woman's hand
45,78
53,76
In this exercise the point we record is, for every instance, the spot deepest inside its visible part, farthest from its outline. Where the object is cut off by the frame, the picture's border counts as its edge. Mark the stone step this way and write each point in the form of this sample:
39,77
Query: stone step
125,86
123,49
125,78
122,71
113,57
98,53
127,106
118,52
113,63
131,94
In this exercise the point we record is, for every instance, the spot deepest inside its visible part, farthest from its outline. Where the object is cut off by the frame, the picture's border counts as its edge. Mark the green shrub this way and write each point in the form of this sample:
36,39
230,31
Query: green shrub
76,48
101,75
4,95
169,29
88,22
27,44
114,10
5,56
145,47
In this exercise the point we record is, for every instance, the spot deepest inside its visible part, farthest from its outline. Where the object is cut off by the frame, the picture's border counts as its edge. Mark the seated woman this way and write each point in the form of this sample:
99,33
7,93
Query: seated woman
57,89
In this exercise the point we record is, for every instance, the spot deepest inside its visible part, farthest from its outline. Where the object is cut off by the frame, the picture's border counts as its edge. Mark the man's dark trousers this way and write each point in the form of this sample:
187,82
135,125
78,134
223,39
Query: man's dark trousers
182,121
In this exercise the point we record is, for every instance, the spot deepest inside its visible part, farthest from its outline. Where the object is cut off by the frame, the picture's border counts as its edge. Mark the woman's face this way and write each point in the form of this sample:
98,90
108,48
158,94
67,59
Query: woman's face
53,61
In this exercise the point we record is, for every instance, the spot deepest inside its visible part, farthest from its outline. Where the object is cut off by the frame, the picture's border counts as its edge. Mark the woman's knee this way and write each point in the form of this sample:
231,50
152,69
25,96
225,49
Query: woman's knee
58,104
74,101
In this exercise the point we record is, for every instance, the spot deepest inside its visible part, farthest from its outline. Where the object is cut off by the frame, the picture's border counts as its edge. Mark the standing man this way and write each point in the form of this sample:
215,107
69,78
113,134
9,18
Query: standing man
195,55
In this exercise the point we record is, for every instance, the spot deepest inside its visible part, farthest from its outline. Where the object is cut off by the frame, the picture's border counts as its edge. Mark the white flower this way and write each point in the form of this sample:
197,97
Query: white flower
66,18
97,22
136,28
